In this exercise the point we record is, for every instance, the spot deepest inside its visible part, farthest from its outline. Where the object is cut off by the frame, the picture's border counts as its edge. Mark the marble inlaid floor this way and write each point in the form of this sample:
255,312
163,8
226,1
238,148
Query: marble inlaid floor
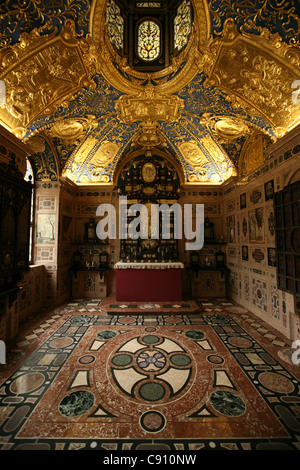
79,378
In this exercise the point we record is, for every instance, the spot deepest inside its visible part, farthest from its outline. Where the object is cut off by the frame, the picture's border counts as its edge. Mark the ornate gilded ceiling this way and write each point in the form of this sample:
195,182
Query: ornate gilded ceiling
82,109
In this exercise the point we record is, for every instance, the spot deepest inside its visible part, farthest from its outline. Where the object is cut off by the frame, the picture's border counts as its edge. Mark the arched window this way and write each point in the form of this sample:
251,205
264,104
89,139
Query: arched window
149,39
182,25
115,25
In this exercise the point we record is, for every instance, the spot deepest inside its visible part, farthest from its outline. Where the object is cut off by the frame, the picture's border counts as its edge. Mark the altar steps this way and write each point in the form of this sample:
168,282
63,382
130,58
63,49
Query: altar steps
111,307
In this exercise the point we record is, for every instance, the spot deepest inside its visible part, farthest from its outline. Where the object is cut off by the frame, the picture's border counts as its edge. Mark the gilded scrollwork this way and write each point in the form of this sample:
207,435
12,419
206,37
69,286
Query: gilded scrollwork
92,160
252,154
40,71
44,159
255,15
257,71
206,161
66,86
149,106
17,17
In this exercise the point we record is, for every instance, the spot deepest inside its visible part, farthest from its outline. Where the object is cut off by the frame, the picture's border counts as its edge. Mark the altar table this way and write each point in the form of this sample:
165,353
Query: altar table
148,282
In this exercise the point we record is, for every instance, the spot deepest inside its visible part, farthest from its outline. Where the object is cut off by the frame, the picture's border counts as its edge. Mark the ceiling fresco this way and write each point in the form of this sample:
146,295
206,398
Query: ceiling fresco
82,109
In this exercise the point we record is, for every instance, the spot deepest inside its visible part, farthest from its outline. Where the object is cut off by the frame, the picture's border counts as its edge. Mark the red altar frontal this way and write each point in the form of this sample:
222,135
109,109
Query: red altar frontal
138,282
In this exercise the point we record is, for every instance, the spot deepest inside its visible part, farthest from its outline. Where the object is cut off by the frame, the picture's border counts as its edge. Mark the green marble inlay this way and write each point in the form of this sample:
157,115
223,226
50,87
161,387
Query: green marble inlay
150,339
122,360
219,319
194,334
152,391
106,334
76,403
81,319
180,360
227,403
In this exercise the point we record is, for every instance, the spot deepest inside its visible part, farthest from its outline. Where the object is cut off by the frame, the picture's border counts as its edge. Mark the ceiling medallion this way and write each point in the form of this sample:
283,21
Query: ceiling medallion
72,129
68,129
225,128
36,144
228,128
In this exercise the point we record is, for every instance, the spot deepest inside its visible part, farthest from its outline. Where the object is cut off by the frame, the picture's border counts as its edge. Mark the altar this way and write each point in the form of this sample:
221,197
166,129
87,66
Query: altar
149,282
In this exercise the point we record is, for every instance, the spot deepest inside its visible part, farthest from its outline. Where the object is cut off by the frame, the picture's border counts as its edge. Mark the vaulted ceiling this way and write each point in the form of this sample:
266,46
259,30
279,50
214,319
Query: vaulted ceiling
82,109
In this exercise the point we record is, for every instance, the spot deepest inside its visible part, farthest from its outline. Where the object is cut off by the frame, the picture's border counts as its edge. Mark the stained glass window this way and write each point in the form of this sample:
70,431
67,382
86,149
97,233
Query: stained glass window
115,25
148,40
182,25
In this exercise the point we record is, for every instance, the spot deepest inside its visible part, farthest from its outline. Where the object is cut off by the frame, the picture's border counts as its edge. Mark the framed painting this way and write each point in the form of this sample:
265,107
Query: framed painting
269,190
256,225
244,253
243,201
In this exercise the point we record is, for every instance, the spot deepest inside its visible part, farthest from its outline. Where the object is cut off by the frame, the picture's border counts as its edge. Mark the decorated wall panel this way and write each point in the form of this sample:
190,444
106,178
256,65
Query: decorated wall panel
249,205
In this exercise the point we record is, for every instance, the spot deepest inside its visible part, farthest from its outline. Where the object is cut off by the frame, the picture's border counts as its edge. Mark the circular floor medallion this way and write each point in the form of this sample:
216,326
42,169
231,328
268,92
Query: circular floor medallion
81,319
219,319
152,421
151,368
227,403
180,360
173,320
151,360
127,320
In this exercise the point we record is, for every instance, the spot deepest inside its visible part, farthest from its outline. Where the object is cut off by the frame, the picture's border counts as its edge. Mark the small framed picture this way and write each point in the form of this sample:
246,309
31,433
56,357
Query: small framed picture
272,257
243,201
244,253
269,190
90,232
